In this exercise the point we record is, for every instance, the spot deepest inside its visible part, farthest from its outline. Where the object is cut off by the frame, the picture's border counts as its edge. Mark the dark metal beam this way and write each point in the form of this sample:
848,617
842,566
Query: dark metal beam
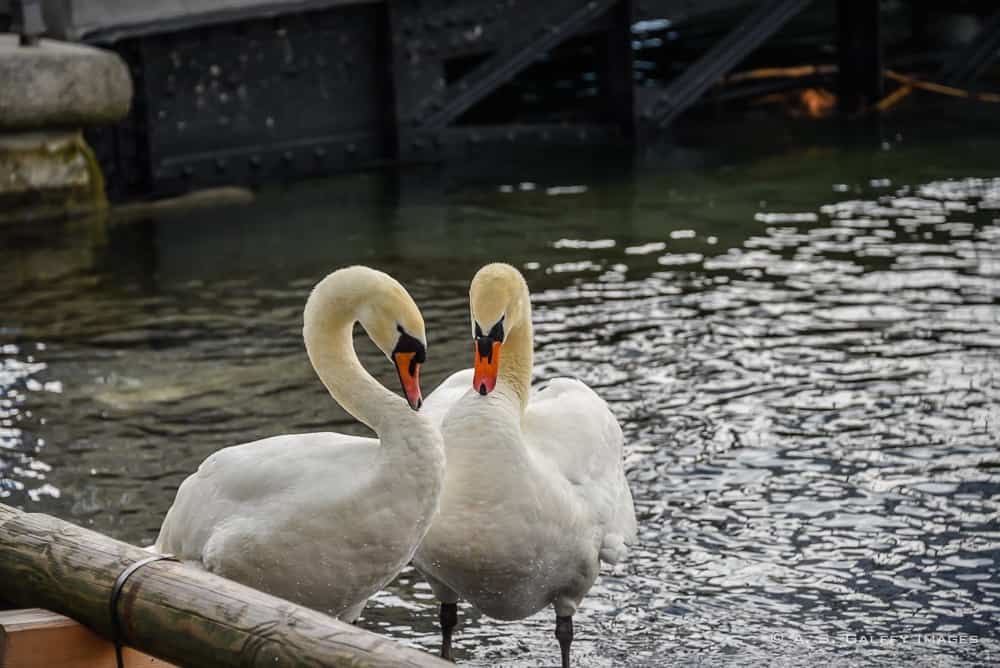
566,18
859,56
618,86
966,65
580,133
661,108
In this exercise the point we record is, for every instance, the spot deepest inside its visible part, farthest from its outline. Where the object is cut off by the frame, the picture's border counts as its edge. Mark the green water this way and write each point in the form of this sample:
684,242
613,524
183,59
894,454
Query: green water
800,338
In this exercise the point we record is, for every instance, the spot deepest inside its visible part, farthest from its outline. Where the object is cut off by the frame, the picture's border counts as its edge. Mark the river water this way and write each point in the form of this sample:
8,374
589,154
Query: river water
803,350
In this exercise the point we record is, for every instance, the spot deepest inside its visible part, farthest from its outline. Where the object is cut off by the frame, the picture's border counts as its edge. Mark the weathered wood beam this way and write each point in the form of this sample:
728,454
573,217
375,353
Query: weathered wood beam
35,638
173,611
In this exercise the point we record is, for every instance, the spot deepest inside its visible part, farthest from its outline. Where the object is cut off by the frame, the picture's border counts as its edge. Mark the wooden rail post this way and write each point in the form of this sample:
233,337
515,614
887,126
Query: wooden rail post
174,611
34,638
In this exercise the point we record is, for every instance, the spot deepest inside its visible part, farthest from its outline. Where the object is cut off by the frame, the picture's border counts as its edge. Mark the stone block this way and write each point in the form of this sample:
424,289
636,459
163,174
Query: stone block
60,85
47,175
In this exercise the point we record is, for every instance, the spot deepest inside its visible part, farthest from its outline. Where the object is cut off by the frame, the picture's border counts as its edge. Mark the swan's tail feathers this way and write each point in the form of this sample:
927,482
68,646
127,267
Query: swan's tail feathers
613,549
623,531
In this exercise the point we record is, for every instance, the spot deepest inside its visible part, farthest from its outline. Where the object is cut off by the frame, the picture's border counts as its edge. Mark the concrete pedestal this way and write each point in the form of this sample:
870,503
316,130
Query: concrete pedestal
57,84
47,93
46,174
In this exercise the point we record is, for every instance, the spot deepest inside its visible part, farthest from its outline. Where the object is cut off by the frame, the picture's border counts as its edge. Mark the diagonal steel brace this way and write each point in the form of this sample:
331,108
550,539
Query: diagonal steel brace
569,17
973,60
660,109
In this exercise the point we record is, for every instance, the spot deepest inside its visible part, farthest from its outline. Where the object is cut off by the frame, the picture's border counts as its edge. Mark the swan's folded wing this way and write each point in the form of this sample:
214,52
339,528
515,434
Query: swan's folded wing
571,427
439,402
260,480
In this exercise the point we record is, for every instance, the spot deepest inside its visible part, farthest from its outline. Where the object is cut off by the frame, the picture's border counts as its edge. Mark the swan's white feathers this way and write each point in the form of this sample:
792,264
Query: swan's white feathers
247,472
319,517
570,425
439,402
530,504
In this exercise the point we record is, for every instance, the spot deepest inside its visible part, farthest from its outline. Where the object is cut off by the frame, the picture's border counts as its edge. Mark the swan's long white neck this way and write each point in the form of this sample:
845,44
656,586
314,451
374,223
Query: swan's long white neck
328,326
517,356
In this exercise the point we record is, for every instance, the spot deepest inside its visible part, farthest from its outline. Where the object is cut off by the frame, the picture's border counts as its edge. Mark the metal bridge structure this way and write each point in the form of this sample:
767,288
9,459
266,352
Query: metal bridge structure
250,91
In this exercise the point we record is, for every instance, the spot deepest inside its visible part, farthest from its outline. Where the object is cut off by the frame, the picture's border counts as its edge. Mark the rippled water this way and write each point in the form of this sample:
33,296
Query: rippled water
804,352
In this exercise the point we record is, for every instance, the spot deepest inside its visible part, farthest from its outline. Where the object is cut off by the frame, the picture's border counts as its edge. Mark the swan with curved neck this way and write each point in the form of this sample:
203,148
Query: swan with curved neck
325,519
535,495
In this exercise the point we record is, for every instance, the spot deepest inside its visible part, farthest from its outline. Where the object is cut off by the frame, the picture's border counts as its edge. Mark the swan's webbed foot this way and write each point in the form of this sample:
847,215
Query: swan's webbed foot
564,633
449,620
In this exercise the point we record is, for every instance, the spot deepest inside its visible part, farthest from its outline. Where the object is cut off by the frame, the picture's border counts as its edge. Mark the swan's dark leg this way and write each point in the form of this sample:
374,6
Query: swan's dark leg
449,619
564,633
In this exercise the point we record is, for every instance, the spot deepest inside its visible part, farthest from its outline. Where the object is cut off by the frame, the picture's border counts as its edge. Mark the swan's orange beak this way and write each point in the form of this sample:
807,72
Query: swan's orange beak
487,364
408,369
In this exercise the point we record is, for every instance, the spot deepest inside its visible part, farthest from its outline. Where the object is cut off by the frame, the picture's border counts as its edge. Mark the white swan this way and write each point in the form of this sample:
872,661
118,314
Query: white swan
535,494
325,519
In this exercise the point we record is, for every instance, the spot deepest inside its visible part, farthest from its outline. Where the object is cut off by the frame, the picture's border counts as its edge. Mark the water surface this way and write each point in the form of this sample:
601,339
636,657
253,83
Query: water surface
803,350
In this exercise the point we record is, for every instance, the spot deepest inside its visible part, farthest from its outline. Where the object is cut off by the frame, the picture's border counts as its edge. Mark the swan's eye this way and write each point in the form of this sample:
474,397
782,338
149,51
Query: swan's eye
407,343
496,333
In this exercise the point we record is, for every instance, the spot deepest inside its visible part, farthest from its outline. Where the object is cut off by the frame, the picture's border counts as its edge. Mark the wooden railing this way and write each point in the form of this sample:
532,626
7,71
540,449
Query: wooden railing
173,611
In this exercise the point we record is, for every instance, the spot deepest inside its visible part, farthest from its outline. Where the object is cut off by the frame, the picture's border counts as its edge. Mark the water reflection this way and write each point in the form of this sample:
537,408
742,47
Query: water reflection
803,353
